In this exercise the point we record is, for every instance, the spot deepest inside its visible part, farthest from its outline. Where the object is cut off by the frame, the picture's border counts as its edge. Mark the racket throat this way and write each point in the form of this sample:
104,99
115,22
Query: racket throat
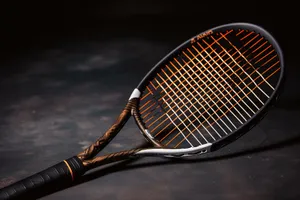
101,142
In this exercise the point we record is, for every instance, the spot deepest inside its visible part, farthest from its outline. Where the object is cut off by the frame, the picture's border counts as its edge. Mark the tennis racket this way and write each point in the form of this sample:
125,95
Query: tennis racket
203,95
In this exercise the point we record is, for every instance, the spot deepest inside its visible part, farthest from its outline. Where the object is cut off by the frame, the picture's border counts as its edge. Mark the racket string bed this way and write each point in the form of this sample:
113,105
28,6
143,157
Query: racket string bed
209,89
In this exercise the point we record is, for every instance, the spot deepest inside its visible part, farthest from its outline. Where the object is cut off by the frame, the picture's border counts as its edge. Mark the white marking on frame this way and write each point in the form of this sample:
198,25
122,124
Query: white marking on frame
170,152
135,94
148,134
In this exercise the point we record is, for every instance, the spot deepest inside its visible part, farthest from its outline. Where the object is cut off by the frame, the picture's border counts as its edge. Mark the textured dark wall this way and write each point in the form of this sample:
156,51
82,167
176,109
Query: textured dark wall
30,26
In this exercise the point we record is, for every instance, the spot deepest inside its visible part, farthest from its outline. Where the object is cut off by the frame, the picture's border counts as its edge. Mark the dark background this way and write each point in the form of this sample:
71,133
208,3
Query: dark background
68,67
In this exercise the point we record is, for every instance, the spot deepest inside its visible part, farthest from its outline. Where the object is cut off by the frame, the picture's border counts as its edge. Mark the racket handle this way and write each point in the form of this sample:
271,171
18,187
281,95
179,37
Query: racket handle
40,184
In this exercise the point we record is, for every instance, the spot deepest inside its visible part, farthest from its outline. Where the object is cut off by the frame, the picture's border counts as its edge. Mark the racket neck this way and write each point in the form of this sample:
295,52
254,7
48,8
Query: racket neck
101,142
111,158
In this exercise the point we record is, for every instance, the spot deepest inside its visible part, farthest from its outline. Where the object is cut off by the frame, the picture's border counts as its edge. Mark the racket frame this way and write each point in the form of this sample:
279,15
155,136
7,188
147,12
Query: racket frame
208,147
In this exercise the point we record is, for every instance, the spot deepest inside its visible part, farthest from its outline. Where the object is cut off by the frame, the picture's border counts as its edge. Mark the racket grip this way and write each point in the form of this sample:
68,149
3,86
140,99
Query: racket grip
48,181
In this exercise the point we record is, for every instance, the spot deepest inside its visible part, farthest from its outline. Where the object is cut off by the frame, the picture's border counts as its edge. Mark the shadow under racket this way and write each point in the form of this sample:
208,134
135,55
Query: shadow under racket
129,164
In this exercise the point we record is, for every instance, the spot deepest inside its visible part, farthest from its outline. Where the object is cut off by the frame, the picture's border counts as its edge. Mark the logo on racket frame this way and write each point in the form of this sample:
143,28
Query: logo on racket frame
201,35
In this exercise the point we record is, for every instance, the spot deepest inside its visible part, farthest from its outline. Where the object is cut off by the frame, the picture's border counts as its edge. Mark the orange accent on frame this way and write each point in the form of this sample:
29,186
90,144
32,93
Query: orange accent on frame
71,172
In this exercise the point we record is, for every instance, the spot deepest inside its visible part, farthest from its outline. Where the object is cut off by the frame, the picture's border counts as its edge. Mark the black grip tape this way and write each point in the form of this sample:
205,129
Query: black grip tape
48,181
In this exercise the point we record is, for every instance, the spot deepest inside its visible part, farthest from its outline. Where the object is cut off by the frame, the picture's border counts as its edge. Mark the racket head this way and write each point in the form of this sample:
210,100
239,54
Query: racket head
196,94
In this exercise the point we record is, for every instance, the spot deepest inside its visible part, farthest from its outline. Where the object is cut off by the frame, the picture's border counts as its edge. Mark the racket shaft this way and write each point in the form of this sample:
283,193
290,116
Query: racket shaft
97,146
